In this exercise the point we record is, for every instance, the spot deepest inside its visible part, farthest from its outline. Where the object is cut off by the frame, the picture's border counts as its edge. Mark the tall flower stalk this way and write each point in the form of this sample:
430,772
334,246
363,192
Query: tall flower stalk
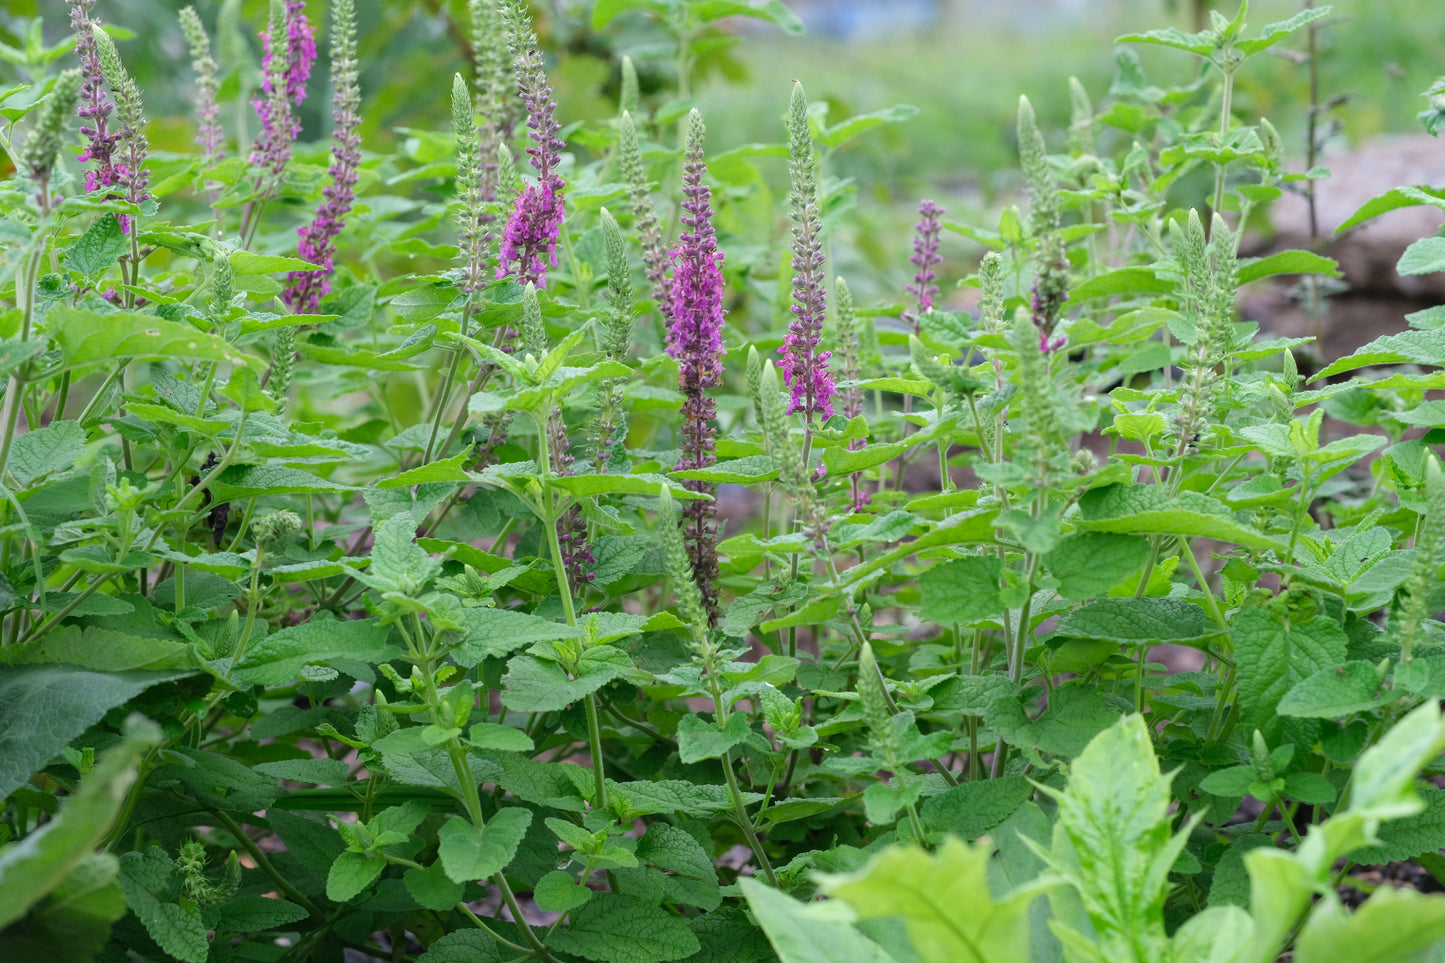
649,232
131,145
805,368
43,145
304,289
208,86
695,340
290,50
925,259
95,106
529,244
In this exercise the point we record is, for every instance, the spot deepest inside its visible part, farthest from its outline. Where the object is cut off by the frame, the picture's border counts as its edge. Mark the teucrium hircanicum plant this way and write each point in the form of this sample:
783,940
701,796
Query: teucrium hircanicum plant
446,615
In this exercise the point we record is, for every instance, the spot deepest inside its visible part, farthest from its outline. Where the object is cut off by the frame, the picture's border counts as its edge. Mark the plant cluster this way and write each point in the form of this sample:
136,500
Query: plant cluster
523,545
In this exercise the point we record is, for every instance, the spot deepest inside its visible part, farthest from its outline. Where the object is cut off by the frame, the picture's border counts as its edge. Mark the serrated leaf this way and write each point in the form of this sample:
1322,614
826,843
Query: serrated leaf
1287,262
532,685
924,890
1335,691
245,263
1130,280
176,929
277,659
961,590
1275,647
43,707
809,932
1425,256
498,632
737,471
431,888
973,808
319,772
254,481
445,470
558,892
1392,926
699,739
251,914
1145,509
1275,32
612,928
351,874
846,461
98,248
1407,347
468,853
1088,564
1138,621
846,130
89,337
1392,200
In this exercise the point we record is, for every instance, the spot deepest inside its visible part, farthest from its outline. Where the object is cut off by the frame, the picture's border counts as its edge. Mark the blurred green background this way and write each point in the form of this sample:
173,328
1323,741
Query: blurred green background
962,63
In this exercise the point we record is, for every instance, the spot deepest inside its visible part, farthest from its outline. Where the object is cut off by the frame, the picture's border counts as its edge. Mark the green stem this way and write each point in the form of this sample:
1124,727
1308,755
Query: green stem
264,864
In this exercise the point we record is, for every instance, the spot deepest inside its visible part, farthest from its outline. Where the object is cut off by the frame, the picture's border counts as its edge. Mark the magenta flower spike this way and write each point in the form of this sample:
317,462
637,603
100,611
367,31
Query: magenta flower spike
925,258
529,242
804,367
283,83
304,289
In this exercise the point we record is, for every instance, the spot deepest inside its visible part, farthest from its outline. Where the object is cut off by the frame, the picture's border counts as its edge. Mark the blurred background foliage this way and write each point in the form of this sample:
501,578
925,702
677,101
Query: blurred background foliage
962,63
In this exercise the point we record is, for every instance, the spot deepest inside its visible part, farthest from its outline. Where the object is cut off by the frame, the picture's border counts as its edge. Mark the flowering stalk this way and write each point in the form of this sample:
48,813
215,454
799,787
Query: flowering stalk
845,336
529,244
95,106
695,340
1051,282
609,434
925,258
805,368
318,239
649,232
131,174
43,145
208,111
285,68
494,87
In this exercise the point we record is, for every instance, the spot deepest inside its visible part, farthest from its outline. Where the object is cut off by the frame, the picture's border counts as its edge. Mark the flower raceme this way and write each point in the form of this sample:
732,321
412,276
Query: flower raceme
285,69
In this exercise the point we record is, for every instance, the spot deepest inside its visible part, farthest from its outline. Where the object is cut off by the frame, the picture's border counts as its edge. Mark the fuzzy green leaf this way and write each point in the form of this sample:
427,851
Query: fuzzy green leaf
468,853
1392,926
277,659
809,932
1087,565
699,739
1425,256
44,450
1287,262
98,248
1336,691
351,874
973,808
89,337
1147,510
1141,621
623,929
1276,647
176,929
532,685
961,590
558,892
497,632
254,481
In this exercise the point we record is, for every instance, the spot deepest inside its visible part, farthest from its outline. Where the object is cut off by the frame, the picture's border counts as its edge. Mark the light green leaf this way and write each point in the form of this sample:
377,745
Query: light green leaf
640,484
468,853
925,890
253,481
844,131
1392,200
1130,280
73,921
41,862
1407,347
961,590
277,659
973,808
623,929
1275,647
1195,43
604,11
320,772
351,874
176,929
1287,262
532,685
809,932
498,632
737,471
1392,926
90,337
1425,256
1336,691
44,450
98,248
1088,564
1275,32
446,470
844,461
1138,621
246,263
1409,836
699,739
676,850
1145,510
43,707
558,892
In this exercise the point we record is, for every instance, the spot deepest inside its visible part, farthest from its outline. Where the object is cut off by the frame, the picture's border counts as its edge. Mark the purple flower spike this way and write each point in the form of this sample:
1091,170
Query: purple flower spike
695,339
804,367
95,106
282,85
529,244
304,289
925,258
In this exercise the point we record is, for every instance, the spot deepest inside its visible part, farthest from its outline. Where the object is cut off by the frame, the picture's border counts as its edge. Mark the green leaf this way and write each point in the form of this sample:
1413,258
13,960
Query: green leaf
277,659
698,739
1275,32
1138,621
1131,280
640,484
351,874
558,892
42,862
251,914
961,590
675,849
1088,564
1287,262
840,133
1407,347
1392,926
675,796
44,707
809,932
468,853
73,921
1113,842
1425,256
98,248
320,772
925,891
44,450
1392,200
973,808
1275,647
737,471
253,481
245,263
1409,836
90,337
398,564
623,929
532,685
446,470
1147,510
605,11
1336,691
844,461
176,929
499,632
1196,43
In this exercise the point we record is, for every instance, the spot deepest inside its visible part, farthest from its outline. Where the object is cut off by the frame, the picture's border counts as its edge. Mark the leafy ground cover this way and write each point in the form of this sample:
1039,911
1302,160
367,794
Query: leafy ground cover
624,589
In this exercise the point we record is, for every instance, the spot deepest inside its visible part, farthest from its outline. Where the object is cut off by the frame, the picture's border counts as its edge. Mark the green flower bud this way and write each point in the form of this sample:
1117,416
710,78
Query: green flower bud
678,567
273,527
629,98
43,144
534,333
618,336
1033,157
